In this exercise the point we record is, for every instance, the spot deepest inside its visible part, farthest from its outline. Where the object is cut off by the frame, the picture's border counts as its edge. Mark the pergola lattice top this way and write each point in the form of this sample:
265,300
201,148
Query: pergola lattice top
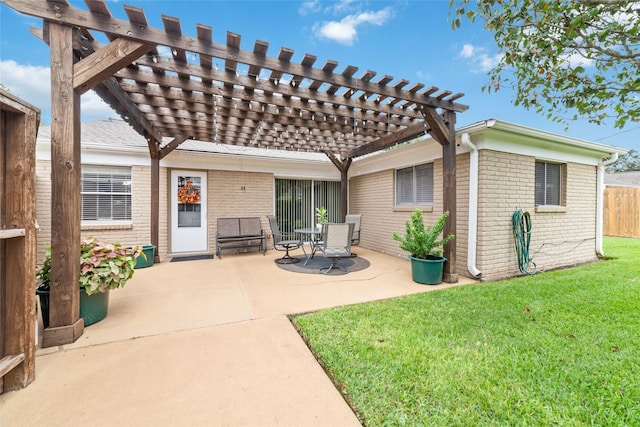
167,84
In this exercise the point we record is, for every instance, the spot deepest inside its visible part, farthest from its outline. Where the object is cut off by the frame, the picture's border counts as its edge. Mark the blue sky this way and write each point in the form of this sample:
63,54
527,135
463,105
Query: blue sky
406,39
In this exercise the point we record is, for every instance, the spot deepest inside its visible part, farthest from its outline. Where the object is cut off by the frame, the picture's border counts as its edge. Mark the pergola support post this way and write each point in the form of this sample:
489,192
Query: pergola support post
66,326
443,130
343,167
155,206
450,197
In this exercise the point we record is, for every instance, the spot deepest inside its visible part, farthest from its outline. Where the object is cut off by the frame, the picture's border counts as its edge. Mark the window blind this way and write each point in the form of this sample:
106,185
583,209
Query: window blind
414,185
105,194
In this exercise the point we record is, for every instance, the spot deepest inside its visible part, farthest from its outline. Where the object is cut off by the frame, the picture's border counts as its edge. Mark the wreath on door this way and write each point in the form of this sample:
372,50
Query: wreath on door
188,194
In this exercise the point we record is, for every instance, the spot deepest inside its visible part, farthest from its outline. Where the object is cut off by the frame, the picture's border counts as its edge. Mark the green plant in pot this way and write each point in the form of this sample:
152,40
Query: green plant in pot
423,244
322,216
103,266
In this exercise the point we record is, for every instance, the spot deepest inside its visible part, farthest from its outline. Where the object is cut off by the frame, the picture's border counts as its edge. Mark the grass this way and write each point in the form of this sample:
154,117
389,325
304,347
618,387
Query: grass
559,348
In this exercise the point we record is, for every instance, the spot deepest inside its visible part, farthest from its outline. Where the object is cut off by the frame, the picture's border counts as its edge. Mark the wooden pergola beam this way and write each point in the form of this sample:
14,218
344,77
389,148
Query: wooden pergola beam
439,129
172,145
103,63
389,140
110,91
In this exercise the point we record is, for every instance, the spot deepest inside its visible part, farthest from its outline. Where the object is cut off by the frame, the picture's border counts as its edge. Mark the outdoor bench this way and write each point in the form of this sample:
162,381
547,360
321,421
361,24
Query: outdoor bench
240,233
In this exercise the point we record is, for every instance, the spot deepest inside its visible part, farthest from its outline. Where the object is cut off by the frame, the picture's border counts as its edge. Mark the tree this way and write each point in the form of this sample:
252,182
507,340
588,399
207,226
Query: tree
627,163
568,59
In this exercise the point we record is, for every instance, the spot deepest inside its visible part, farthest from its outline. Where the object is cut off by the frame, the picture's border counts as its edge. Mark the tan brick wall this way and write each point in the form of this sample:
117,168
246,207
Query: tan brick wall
373,194
224,199
136,234
43,208
506,183
163,216
227,200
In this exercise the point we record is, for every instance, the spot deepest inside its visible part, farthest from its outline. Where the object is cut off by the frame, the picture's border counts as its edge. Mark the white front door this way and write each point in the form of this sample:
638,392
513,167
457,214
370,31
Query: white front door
188,211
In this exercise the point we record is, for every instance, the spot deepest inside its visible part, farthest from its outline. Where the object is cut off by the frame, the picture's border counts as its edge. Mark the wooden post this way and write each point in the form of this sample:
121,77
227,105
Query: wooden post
64,305
155,204
450,197
344,187
18,129
343,167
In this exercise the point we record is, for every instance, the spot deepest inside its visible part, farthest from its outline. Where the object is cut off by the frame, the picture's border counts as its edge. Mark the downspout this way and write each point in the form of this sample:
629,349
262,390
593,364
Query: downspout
599,200
472,243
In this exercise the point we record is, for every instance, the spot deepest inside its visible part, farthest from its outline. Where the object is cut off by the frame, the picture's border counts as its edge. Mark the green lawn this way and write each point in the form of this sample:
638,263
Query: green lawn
557,348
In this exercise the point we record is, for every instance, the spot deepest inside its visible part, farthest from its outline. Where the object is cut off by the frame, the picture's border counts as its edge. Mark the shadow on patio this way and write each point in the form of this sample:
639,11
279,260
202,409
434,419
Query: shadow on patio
204,343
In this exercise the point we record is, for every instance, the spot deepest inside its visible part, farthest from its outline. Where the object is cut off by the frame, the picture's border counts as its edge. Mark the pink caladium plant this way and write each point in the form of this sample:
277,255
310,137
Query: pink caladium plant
103,266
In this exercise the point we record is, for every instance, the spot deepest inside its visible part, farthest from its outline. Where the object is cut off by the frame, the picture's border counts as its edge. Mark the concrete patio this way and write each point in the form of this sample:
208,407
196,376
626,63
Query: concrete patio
204,343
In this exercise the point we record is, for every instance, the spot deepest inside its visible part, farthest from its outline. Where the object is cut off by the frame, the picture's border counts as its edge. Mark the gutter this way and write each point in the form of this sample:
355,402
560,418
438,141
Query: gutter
472,243
599,200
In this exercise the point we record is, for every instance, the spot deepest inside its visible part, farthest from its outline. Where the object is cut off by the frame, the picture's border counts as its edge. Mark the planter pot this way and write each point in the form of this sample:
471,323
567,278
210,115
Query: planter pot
149,252
44,306
427,271
93,308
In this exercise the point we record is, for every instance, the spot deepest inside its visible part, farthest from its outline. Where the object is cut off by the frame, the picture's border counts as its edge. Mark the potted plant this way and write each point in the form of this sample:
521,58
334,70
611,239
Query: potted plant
103,266
322,216
422,243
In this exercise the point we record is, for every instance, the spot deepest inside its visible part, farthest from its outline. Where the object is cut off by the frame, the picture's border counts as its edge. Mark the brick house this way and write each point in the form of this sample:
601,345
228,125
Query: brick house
553,177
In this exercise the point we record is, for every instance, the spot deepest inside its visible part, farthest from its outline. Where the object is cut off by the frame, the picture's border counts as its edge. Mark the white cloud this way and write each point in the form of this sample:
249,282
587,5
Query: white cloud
28,82
308,7
423,76
576,59
345,31
33,84
479,60
343,5
92,107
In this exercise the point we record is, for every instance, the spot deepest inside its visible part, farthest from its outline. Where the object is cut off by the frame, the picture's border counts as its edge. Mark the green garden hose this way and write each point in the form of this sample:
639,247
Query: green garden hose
522,226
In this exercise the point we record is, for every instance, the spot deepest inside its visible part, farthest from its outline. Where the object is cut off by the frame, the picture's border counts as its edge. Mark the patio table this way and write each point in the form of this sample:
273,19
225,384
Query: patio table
312,236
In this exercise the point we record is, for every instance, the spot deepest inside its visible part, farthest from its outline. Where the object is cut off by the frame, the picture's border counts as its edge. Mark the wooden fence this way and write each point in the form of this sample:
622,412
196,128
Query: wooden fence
622,211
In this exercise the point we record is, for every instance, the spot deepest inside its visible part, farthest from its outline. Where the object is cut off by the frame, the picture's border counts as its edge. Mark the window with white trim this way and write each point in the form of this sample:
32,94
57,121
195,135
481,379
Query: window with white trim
549,184
414,185
105,194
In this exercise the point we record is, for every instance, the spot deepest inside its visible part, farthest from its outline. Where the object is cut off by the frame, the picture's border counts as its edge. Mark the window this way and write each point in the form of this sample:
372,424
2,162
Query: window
105,193
548,184
297,199
414,185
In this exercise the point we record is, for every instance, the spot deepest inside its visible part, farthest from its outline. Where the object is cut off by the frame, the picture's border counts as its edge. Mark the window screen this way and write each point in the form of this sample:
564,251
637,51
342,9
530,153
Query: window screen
105,194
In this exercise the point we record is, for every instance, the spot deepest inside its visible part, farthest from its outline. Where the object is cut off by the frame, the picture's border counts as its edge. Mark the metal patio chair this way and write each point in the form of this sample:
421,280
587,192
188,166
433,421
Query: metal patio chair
336,244
356,219
284,242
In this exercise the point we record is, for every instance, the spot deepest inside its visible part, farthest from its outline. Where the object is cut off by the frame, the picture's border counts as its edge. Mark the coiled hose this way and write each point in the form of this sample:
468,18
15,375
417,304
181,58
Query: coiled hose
522,226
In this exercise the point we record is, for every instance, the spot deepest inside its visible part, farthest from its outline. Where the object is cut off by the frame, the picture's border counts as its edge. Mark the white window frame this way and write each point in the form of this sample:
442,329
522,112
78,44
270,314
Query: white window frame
414,185
108,173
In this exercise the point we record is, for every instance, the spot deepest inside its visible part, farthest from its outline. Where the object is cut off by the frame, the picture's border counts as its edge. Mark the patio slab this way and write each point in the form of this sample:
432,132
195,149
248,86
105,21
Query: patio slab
203,343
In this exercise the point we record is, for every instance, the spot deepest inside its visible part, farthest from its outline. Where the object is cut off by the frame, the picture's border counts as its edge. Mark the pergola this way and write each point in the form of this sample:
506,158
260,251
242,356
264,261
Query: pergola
169,85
